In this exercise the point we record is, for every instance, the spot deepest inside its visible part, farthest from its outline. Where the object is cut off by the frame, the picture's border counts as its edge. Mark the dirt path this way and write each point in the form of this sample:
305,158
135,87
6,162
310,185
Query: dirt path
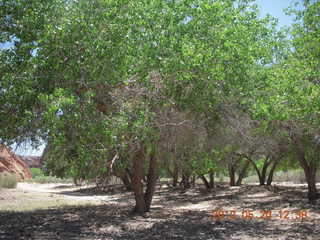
66,212
33,196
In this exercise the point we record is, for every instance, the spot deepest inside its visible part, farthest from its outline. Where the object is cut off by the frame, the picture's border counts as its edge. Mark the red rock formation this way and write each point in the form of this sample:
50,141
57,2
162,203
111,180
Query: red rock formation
11,163
32,161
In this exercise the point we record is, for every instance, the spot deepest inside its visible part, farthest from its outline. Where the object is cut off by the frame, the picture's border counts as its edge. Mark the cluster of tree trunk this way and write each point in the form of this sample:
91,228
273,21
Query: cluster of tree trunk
242,173
208,184
265,176
143,184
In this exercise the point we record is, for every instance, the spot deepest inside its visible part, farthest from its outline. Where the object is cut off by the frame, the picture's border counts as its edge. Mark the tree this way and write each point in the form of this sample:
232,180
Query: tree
289,99
23,25
103,73
306,64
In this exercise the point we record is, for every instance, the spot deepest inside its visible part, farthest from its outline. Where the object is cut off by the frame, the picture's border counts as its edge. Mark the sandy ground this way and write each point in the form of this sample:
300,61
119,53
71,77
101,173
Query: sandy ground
62,211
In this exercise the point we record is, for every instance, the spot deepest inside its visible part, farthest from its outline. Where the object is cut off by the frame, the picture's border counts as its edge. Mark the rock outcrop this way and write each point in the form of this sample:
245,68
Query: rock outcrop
12,163
32,161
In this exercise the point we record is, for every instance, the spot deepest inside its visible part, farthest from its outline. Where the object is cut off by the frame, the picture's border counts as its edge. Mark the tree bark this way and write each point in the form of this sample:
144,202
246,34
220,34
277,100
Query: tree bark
137,185
309,168
205,181
151,181
175,174
232,176
242,173
193,180
185,181
271,173
310,172
211,177
265,166
261,181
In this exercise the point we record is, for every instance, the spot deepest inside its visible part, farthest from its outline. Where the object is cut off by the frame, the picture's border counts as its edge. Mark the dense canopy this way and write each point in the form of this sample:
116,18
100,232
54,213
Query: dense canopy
142,89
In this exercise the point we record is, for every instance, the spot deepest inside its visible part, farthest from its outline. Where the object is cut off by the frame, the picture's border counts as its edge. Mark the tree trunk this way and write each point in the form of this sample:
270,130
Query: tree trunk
77,181
211,177
242,173
126,181
310,173
144,179
265,166
137,185
151,181
261,181
185,181
175,175
232,176
270,177
193,180
309,168
205,181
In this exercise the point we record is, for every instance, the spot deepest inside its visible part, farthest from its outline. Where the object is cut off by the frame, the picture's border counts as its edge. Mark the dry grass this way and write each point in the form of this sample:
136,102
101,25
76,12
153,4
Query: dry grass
294,176
30,197
8,180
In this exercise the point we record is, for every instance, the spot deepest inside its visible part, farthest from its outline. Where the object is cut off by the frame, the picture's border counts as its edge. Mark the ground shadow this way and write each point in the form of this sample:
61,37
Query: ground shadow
113,220
110,222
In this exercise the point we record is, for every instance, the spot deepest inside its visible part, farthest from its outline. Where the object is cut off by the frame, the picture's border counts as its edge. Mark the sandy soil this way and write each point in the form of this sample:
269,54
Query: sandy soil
61,211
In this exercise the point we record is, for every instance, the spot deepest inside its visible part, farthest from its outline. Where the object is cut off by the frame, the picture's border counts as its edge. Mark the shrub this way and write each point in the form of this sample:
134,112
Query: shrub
8,180
38,176
48,179
36,172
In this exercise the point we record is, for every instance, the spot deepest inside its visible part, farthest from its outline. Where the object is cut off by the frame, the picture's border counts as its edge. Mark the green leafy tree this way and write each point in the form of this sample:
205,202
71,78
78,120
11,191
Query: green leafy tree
290,98
100,72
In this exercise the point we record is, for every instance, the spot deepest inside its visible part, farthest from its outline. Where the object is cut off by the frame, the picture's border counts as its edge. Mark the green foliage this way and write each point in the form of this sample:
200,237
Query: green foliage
289,98
205,162
42,179
8,180
36,172
23,24
292,88
38,176
94,79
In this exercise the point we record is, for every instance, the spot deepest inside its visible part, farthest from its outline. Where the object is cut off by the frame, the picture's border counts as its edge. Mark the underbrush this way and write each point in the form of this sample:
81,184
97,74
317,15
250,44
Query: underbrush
36,172
48,179
8,180
38,176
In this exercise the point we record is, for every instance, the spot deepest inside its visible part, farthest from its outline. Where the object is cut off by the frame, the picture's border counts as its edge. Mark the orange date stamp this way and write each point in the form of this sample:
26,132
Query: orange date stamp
260,214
